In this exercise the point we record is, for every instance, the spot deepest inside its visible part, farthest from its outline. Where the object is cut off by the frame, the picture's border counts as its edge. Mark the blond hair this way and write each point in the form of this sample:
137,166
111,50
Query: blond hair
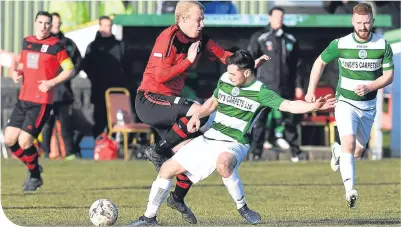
362,9
182,9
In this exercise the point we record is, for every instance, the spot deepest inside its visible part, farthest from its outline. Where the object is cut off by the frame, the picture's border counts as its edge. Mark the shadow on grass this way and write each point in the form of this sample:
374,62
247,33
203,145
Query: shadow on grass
318,222
254,185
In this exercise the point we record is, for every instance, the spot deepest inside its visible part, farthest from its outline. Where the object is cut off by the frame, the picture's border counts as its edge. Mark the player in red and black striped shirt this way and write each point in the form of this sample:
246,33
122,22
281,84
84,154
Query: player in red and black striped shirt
158,102
40,59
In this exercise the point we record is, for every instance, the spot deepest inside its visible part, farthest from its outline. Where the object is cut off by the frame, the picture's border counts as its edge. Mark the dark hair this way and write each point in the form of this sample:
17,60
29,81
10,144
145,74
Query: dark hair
44,13
56,15
104,18
276,8
243,59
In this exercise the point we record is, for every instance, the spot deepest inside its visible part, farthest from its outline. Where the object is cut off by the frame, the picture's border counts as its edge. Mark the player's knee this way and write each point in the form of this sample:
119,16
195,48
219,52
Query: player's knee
25,141
10,138
170,168
225,164
348,144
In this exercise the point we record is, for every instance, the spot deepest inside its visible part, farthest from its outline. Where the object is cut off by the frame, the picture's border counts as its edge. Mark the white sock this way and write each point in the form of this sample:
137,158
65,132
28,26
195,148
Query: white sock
234,186
158,193
347,169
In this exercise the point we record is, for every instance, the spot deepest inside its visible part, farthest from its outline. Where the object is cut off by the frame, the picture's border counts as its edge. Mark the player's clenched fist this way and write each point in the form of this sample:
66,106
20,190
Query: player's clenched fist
16,76
310,97
45,85
193,124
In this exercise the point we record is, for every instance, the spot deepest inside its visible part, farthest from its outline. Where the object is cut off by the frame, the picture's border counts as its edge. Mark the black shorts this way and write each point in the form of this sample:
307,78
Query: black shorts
29,116
160,111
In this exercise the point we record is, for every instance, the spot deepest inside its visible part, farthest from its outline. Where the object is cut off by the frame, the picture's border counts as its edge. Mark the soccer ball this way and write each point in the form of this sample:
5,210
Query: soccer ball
103,212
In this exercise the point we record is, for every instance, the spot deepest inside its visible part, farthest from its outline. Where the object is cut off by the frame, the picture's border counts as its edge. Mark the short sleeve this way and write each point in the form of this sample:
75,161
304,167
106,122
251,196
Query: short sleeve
216,91
388,58
331,52
63,59
269,98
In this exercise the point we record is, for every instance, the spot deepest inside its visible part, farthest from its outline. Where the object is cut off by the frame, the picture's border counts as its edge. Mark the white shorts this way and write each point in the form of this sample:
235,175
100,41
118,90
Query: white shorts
353,121
199,156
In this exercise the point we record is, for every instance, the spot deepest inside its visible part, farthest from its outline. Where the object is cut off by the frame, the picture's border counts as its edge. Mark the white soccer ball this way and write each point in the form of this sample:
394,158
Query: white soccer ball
103,212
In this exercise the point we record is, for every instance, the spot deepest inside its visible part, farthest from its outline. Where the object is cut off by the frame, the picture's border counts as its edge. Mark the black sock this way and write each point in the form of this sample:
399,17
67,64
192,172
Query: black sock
181,187
18,152
176,135
32,161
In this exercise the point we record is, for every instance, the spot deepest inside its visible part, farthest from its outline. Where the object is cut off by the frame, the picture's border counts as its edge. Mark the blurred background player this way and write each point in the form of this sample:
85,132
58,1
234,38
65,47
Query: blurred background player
106,65
41,58
281,75
63,98
366,65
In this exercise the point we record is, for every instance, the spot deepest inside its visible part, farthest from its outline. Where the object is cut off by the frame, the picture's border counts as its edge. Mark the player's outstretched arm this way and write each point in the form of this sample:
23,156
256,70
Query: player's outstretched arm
299,106
205,110
315,74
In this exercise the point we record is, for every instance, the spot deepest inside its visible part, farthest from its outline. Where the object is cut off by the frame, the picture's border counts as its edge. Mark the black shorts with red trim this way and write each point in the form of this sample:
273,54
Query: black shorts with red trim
160,111
29,116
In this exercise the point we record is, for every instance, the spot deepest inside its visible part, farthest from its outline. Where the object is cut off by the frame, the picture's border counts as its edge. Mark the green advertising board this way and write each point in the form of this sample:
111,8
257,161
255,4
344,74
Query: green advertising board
243,20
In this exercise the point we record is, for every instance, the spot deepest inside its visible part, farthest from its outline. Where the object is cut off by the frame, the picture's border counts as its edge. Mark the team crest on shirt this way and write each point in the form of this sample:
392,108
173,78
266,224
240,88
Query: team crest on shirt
363,54
235,91
44,48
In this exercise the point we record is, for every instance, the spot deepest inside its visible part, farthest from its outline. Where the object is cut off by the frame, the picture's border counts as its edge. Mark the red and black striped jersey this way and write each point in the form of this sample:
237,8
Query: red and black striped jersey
165,71
41,60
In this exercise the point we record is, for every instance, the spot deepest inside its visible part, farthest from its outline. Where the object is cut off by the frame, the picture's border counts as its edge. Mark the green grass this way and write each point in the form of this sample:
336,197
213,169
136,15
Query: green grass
286,194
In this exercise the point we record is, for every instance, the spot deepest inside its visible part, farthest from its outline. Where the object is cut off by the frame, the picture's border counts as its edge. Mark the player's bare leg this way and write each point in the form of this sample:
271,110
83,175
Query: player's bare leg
359,150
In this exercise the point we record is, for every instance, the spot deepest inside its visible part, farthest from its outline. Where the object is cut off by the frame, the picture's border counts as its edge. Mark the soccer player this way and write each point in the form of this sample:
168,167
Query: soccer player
40,59
239,98
366,65
176,50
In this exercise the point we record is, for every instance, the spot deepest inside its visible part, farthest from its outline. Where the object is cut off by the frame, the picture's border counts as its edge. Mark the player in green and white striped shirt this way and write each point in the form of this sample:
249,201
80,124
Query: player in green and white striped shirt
238,99
365,65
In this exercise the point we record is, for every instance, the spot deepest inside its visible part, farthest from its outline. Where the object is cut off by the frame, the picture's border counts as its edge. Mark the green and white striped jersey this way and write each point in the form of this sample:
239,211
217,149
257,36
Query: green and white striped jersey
359,63
238,107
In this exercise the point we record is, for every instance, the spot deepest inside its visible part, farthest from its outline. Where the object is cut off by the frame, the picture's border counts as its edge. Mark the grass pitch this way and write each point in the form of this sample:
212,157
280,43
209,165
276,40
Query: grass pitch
284,193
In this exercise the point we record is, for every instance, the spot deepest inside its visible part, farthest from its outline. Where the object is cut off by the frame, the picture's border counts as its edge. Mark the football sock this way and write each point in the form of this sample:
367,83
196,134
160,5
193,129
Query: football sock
158,193
181,187
347,169
32,161
18,152
234,186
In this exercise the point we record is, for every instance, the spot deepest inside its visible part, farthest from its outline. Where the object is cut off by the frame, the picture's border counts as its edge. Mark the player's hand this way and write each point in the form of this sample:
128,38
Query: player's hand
193,51
45,85
16,76
310,97
260,61
299,93
193,124
361,90
324,103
